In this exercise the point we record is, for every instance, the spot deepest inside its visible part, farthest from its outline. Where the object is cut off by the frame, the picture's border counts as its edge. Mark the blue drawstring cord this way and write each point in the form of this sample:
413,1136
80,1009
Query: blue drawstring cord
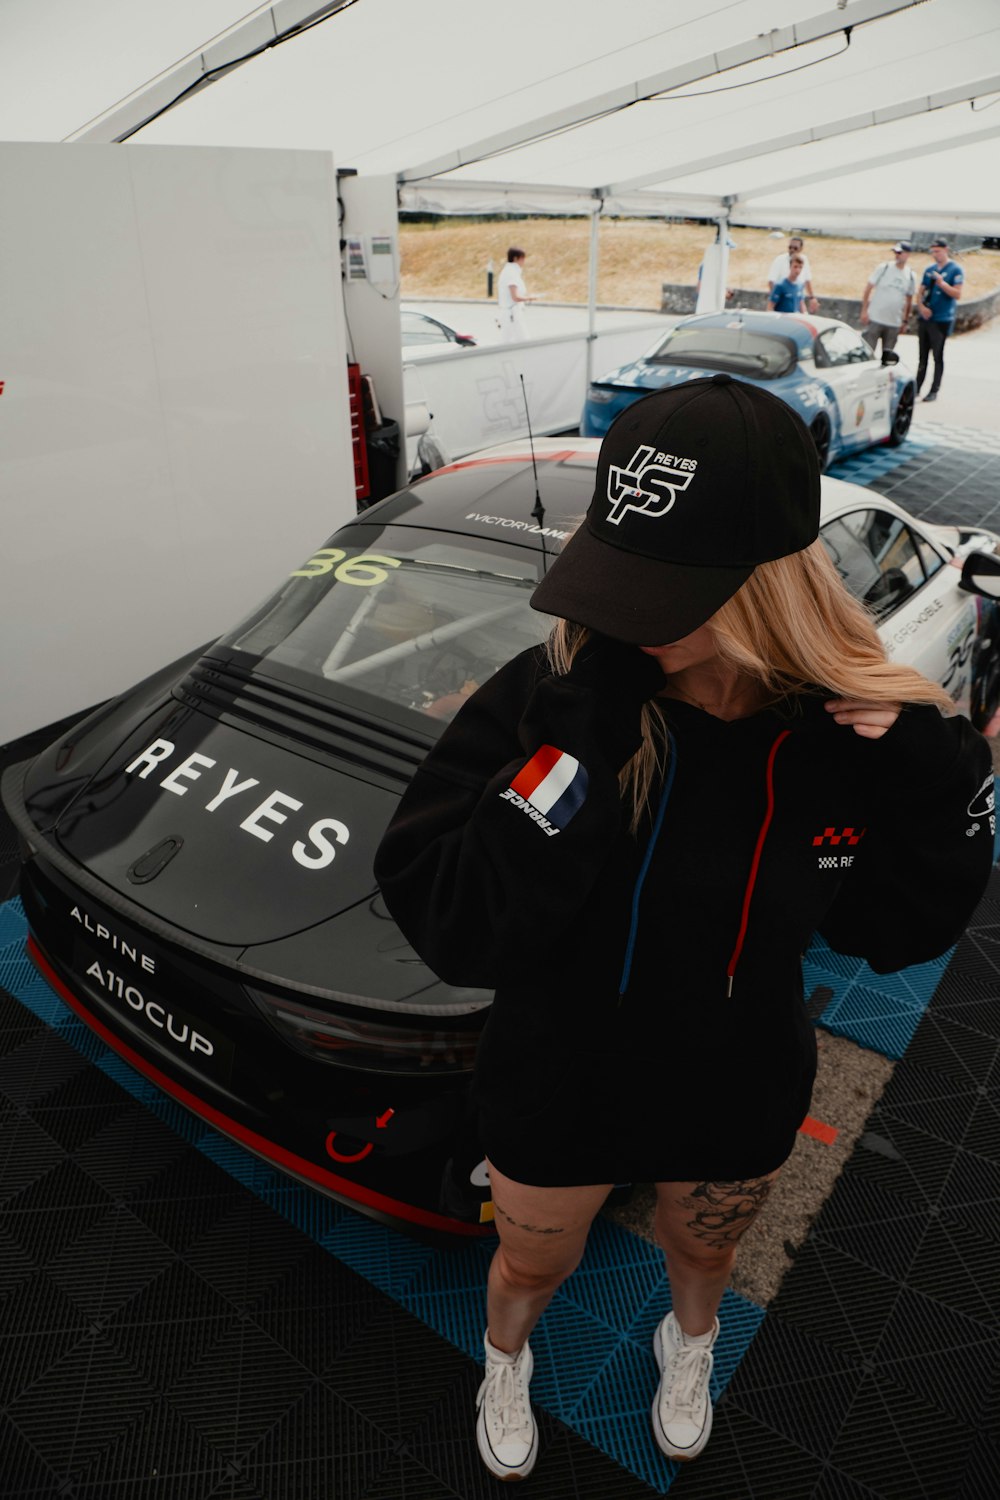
636,894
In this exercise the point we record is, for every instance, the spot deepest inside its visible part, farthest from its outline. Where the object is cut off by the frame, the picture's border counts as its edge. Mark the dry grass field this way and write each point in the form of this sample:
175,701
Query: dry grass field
448,259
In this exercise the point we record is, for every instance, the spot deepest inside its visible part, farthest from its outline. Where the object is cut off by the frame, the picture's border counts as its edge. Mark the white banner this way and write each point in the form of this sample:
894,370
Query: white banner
475,397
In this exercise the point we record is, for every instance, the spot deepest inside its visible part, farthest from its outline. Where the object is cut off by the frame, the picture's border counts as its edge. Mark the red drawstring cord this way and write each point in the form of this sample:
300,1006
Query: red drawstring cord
755,865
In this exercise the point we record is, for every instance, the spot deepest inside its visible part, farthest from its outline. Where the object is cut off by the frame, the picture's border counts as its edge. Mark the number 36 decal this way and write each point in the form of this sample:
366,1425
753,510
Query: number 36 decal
365,570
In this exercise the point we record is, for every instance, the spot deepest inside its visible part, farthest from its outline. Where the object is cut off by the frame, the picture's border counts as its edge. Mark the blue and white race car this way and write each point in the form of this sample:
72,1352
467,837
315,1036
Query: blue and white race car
848,398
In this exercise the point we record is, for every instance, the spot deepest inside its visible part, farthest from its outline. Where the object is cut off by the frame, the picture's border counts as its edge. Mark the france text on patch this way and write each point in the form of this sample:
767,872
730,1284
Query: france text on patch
554,783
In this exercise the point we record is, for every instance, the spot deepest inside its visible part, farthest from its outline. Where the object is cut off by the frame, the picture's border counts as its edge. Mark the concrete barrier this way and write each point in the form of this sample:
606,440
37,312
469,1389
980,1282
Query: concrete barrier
681,299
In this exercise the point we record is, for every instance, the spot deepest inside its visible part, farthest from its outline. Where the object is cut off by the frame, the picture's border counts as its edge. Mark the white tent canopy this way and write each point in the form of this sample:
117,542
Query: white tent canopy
882,115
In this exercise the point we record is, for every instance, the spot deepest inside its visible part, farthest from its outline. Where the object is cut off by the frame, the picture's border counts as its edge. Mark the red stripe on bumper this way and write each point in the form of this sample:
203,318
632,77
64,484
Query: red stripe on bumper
249,1138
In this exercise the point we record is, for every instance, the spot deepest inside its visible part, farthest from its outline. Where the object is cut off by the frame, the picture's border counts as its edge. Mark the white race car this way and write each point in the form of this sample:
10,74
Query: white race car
908,572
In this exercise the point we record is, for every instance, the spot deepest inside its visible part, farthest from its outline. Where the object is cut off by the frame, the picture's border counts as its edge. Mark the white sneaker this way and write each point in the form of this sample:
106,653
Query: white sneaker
505,1427
682,1411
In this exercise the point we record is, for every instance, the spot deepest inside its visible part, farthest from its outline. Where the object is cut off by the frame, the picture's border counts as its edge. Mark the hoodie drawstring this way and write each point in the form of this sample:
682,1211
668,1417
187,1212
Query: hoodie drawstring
755,865
637,892
751,878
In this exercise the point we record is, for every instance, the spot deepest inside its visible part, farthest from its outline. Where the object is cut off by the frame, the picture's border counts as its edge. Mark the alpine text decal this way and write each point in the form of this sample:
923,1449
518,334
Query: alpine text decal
105,935
314,852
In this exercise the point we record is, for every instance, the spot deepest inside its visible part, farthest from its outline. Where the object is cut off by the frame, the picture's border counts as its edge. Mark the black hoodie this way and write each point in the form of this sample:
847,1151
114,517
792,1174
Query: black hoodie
662,971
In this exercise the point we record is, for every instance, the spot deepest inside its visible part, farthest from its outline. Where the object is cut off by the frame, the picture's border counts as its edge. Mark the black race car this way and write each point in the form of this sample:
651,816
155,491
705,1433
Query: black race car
198,853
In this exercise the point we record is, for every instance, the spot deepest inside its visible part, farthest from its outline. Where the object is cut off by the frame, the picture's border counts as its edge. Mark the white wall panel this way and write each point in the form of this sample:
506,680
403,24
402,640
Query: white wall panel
173,427
477,398
244,307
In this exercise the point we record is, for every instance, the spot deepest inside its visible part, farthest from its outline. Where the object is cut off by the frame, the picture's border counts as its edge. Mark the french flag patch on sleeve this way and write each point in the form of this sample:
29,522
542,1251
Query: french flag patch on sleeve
554,783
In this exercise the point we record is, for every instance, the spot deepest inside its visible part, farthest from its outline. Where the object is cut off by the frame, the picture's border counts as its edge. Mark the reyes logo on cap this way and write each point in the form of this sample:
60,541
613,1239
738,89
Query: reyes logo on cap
648,484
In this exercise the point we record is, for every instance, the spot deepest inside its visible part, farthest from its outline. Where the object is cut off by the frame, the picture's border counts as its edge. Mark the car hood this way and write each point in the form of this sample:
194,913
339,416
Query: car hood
224,834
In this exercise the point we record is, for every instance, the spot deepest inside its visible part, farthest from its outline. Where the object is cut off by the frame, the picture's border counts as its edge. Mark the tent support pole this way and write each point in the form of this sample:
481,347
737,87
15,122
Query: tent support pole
723,266
595,224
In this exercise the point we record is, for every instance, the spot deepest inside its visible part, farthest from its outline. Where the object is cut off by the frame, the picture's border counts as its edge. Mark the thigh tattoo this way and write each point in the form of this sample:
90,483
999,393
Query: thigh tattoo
531,1228
723,1210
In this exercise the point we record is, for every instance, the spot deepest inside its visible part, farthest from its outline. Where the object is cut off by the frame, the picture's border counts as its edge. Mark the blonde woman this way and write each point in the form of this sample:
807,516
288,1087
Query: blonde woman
632,833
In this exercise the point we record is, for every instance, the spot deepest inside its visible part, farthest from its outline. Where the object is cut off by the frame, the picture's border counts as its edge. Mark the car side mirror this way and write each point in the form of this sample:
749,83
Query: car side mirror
890,357
981,574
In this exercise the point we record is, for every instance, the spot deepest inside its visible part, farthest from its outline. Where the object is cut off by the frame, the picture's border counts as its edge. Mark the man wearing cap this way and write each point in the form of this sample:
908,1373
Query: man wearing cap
940,291
630,832
888,298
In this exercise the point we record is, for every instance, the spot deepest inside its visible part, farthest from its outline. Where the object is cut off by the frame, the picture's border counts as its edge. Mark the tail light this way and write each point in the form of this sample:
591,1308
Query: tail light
373,1046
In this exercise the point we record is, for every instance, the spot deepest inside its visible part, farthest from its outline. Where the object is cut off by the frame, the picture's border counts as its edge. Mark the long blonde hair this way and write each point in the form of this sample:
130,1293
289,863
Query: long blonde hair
793,627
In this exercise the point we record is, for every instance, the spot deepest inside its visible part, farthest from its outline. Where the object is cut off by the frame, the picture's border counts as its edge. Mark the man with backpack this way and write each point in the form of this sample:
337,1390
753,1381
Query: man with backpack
888,298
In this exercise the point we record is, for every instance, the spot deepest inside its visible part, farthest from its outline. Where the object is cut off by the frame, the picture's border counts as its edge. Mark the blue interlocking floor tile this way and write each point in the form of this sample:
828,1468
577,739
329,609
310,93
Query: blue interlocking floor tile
617,1411
879,1011
571,1350
313,1213
887,1032
861,468
23,980
11,922
593,1349
391,1261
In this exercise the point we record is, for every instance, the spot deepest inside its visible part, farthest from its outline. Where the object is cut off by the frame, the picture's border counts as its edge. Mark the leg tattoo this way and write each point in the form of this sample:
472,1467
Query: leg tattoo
531,1228
723,1210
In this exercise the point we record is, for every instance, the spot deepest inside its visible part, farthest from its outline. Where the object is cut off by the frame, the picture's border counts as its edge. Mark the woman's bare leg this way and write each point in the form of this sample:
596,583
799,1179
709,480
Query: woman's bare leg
543,1232
698,1227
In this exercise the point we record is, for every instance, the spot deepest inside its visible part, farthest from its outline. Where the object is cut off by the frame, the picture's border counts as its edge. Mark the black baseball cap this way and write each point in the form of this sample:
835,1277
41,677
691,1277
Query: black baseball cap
696,485
939,243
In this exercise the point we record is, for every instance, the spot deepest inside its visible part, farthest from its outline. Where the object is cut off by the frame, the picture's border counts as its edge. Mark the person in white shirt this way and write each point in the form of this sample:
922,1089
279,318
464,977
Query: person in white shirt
888,298
780,267
511,297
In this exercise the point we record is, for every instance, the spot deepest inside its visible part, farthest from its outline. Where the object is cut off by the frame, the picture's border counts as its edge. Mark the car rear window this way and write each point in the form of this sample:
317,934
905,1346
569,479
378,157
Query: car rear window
413,619
736,349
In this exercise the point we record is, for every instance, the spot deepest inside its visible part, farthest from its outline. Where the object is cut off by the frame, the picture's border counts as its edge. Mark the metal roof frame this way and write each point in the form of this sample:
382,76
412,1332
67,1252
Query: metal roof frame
237,45
782,39
951,43
885,159
923,104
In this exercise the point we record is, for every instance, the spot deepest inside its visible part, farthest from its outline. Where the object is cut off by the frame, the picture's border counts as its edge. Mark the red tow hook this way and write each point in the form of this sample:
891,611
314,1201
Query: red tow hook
381,1121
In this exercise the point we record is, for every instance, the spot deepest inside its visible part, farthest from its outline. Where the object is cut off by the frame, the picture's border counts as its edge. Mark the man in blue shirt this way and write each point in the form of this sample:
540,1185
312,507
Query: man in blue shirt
940,291
787,295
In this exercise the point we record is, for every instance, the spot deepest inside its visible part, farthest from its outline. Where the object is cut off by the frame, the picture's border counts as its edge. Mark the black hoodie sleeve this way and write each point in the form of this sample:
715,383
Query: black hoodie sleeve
926,857
470,869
